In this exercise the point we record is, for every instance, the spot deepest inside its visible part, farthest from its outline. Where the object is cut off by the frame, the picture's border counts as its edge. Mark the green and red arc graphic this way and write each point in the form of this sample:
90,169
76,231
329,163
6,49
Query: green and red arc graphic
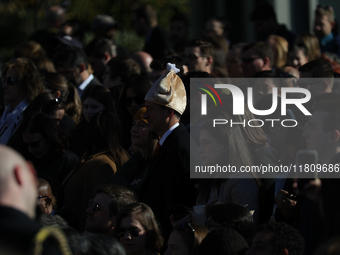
209,93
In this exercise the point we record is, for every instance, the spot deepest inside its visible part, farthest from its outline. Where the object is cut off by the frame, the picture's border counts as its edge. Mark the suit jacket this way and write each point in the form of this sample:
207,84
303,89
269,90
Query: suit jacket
167,182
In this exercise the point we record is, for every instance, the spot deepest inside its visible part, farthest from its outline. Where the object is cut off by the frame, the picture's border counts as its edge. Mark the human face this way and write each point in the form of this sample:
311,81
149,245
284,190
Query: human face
322,26
58,115
139,133
98,65
210,149
72,74
90,107
195,60
176,245
251,63
107,81
132,245
156,116
315,86
262,87
99,220
297,58
314,134
133,102
36,144
13,93
213,28
44,199
261,244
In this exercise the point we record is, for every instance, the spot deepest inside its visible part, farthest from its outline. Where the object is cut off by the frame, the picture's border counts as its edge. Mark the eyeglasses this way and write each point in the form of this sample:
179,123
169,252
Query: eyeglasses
42,197
34,145
132,231
193,56
96,207
138,100
9,80
249,60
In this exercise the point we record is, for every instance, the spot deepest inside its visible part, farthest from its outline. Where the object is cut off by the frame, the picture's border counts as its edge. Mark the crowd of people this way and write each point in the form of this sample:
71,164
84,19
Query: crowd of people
96,142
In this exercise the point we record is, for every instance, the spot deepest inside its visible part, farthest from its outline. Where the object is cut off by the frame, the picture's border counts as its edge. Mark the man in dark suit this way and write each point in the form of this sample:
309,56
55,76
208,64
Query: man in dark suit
167,182
72,63
18,199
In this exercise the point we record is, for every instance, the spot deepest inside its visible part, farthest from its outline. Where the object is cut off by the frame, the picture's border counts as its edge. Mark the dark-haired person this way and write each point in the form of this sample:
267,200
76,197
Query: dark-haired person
275,239
21,82
72,63
46,142
138,231
256,57
108,201
179,33
199,56
185,239
158,67
102,156
297,56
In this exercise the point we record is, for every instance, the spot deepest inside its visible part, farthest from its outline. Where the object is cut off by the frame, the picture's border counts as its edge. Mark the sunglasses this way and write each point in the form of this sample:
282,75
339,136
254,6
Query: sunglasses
132,231
34,145
9,80
249,60
138,100
193,56
42,197
96,207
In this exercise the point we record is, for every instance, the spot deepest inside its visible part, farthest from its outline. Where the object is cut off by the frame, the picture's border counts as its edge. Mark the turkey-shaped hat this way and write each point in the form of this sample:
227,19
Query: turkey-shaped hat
169,91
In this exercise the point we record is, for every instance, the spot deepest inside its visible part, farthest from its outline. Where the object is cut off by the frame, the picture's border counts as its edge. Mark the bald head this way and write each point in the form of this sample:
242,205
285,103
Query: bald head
18,184
55,16
144,60
45,196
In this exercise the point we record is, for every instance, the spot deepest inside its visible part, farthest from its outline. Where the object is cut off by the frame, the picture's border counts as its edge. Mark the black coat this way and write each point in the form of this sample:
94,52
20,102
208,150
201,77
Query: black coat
167,182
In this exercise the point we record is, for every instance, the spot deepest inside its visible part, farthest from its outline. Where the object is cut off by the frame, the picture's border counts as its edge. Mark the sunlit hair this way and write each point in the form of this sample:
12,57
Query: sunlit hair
31,50
30,80
281,46
311,43
145,216
45,64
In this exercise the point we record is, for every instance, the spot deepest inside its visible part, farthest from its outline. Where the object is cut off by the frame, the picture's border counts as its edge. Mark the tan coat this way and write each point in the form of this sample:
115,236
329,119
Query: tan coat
92,171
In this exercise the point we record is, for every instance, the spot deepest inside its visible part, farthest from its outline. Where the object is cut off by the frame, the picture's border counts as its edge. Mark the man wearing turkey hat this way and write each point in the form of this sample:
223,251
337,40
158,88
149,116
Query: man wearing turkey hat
168,179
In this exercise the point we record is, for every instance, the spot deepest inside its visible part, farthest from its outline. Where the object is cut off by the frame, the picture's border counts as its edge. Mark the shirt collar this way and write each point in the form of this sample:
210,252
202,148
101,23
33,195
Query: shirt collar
326,39
86,82
167,133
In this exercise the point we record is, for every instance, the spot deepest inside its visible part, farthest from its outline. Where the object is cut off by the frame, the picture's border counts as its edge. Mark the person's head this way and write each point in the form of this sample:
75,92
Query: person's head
103,51
104,26
277,238
43,136
57,84
31,50
143,59
165,102
215,27
256,57
279,47
263,85
45,196
141,136
119,70
99,245
229,215
311,43
18,182
137,229
158,67
234,61
297,56
322,131
324,21
179,31
109,200
133,94
317,68
185,239
72,63
55,16
21,81
96,98
223,144
102,134
144,18
221,50
264,19
224,241
199,56
74,29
